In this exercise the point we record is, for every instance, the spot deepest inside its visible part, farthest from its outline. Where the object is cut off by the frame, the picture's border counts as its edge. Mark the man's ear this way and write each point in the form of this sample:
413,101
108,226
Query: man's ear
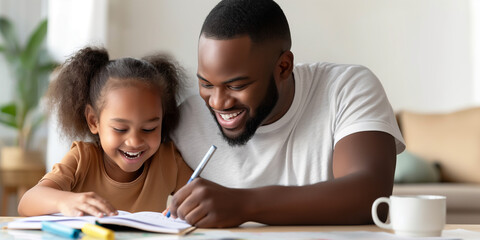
92,119
285,65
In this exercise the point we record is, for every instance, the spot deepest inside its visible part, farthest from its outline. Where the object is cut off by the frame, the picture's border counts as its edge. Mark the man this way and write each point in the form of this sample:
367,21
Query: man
304,144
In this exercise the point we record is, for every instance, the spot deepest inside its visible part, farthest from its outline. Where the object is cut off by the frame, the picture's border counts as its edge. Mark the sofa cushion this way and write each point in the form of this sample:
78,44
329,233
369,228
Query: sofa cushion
451,139
414,169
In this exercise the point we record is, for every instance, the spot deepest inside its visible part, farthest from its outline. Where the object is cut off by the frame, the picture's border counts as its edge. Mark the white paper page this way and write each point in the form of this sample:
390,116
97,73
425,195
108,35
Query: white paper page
149,221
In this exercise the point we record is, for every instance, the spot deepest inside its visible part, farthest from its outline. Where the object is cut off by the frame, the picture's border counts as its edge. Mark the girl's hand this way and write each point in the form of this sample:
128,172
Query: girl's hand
87,203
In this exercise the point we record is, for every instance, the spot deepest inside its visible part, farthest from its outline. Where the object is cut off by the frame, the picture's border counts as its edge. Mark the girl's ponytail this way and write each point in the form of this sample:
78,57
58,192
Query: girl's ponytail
72,89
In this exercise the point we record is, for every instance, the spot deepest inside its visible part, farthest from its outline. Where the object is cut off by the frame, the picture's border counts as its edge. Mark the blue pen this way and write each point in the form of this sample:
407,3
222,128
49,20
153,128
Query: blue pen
60,229
201,166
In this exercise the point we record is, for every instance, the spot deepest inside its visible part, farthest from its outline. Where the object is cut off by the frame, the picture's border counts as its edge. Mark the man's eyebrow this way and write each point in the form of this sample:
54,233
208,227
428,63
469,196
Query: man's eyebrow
121,120
226,82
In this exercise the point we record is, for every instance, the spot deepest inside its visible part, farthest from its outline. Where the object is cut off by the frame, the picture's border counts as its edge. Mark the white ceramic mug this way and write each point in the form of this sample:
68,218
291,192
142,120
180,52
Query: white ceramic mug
413,216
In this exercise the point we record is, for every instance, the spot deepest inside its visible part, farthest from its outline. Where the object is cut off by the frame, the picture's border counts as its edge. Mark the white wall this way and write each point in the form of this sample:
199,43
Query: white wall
420,50
475,45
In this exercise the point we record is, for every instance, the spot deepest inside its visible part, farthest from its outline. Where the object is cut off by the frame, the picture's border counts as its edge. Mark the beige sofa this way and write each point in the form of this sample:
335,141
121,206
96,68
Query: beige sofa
452,140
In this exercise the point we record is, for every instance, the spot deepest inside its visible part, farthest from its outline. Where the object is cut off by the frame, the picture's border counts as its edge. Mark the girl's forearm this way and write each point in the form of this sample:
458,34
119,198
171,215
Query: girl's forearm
40,200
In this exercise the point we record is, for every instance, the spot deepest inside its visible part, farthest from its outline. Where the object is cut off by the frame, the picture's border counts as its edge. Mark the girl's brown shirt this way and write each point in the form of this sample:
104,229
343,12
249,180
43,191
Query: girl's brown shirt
83,170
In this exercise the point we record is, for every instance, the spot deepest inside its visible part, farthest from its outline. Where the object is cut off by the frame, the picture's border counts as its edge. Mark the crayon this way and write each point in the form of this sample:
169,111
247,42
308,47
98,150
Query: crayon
96,231
60,229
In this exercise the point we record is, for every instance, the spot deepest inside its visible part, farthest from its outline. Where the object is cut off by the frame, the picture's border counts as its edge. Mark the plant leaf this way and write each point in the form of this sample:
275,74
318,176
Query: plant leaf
11,47
29,56
30,66
8,115
10,109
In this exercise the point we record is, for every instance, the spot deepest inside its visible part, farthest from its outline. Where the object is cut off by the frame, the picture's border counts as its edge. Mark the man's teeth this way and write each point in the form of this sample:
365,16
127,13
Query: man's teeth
229,116
132,155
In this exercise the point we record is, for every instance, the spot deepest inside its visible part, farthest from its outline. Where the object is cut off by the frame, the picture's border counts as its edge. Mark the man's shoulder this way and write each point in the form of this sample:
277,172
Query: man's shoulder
328,67
327,75
194,114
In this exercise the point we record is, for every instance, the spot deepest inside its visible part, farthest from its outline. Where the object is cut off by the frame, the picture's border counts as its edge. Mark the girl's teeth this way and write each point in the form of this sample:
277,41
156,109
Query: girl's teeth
132,155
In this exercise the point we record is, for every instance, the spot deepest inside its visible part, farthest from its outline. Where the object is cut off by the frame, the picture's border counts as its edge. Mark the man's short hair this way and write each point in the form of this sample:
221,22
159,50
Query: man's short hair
262,20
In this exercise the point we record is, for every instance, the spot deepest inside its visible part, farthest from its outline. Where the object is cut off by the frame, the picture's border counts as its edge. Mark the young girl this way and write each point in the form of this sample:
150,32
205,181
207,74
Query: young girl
127,108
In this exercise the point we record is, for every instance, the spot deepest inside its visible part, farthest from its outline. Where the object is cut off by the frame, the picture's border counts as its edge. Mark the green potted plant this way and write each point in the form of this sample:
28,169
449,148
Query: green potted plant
30,67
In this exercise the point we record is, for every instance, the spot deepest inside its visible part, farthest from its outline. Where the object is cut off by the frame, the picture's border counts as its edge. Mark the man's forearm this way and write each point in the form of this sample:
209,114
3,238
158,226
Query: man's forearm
344,200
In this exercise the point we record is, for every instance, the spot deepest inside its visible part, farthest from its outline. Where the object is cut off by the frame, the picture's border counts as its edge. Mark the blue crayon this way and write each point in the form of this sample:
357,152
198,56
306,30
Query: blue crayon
60,229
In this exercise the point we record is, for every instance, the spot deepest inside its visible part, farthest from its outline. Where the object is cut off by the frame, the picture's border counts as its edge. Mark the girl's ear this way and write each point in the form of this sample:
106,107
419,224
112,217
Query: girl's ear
92,119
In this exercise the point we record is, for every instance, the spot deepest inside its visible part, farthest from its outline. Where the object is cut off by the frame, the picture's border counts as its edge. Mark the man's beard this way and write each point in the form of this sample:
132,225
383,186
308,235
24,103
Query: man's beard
252,124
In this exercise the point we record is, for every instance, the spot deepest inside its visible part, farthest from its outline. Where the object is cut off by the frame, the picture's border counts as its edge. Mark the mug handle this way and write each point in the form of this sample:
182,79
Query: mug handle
376,220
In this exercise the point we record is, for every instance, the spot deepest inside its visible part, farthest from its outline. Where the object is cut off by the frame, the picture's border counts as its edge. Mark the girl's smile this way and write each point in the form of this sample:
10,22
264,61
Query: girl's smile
131,155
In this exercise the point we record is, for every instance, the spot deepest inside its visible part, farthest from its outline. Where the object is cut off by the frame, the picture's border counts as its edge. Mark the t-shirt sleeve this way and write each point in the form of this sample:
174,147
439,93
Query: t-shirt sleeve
64,172
361,104
184,172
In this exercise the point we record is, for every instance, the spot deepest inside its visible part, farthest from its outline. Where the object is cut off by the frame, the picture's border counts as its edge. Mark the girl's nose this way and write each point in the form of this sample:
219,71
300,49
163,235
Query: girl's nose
134,140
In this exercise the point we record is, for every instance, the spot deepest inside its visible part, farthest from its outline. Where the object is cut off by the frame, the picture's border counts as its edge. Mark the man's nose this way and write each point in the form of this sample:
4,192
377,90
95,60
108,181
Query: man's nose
221,100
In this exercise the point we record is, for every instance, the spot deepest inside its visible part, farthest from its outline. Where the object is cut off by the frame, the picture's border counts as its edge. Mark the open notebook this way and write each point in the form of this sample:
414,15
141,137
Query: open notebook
147,221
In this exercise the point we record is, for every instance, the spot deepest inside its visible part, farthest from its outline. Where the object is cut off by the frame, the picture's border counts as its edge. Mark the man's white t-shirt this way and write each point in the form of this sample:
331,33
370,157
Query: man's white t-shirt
331,101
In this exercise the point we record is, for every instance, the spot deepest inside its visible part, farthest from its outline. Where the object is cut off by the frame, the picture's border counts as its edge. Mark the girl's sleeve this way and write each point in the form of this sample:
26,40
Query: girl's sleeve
64,173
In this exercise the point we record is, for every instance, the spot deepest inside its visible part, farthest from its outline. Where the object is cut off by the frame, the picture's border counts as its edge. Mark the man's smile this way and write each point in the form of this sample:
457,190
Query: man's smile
231,120
229,116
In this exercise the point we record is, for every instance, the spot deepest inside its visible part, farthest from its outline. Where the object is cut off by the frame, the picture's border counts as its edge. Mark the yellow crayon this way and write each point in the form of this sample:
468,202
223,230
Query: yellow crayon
96,231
